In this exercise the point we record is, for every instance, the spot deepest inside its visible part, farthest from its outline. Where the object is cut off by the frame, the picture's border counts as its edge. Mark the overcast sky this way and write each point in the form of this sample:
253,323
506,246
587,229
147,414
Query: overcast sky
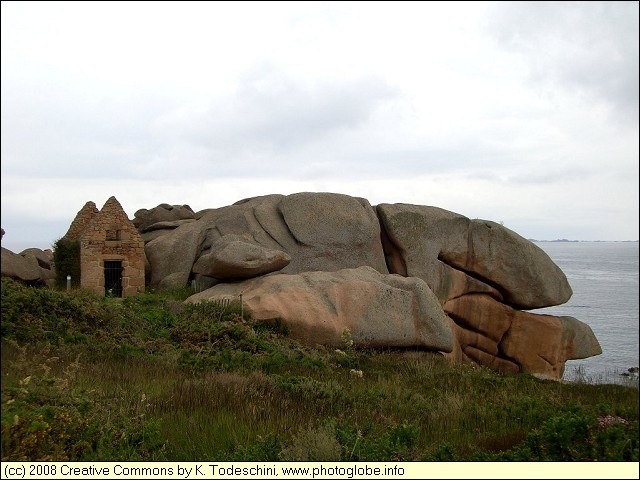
521,113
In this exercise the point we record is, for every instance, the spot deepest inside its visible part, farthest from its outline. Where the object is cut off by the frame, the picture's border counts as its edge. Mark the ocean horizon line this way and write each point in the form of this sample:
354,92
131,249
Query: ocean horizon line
564,240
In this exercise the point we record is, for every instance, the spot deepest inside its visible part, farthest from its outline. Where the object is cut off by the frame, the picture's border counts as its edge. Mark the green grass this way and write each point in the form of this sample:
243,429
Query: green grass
151,378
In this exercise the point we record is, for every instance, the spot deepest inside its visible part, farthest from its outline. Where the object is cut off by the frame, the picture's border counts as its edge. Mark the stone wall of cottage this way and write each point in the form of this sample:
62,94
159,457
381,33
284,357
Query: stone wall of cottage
83,218
111,236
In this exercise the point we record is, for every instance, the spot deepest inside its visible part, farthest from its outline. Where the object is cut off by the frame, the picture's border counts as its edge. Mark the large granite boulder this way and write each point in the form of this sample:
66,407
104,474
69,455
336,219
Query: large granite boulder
317,231
158,229
377,310
18,267
485,276
457,256
161,219
233,257
33,266
507,340
44,258
171,256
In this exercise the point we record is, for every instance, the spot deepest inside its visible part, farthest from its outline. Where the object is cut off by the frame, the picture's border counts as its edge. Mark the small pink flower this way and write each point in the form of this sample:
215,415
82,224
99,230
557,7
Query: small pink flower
607,420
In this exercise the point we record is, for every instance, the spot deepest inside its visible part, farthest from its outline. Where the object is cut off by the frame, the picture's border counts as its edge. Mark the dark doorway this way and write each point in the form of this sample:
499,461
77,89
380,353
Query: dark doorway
113,278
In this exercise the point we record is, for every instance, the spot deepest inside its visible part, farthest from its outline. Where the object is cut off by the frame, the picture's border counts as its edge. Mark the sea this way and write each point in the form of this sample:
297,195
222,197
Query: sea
604,279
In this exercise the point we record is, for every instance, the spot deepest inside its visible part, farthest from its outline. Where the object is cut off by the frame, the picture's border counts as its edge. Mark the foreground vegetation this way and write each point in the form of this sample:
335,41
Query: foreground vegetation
150,378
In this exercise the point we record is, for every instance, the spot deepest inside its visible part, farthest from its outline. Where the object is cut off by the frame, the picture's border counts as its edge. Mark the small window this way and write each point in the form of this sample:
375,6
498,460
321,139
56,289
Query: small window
113,234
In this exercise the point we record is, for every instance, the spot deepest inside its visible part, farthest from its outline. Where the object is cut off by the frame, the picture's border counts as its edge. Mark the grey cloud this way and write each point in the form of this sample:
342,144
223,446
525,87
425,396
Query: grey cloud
269,125
64,131
270,116
470,156
585,47
547,176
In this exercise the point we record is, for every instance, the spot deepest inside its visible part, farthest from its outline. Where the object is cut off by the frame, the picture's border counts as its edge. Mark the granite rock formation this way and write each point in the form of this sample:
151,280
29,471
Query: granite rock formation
347,261
32,266
392,275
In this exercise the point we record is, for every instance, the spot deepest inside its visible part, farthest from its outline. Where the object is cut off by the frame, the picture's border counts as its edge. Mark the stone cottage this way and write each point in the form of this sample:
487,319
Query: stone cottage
111,250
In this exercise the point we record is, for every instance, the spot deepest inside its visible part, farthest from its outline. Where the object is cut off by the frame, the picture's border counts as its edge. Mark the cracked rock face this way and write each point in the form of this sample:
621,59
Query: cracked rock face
482,276
507,340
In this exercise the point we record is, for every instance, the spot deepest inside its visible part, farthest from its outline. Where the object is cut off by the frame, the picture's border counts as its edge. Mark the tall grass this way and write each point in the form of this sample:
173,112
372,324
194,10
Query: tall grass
151,378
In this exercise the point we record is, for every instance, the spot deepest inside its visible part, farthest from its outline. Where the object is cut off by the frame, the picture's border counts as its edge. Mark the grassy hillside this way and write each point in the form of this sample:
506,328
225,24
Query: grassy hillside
150,378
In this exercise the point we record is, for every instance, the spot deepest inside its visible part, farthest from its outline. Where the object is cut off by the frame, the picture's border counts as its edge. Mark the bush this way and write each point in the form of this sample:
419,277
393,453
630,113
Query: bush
577,435
66,258
313,444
